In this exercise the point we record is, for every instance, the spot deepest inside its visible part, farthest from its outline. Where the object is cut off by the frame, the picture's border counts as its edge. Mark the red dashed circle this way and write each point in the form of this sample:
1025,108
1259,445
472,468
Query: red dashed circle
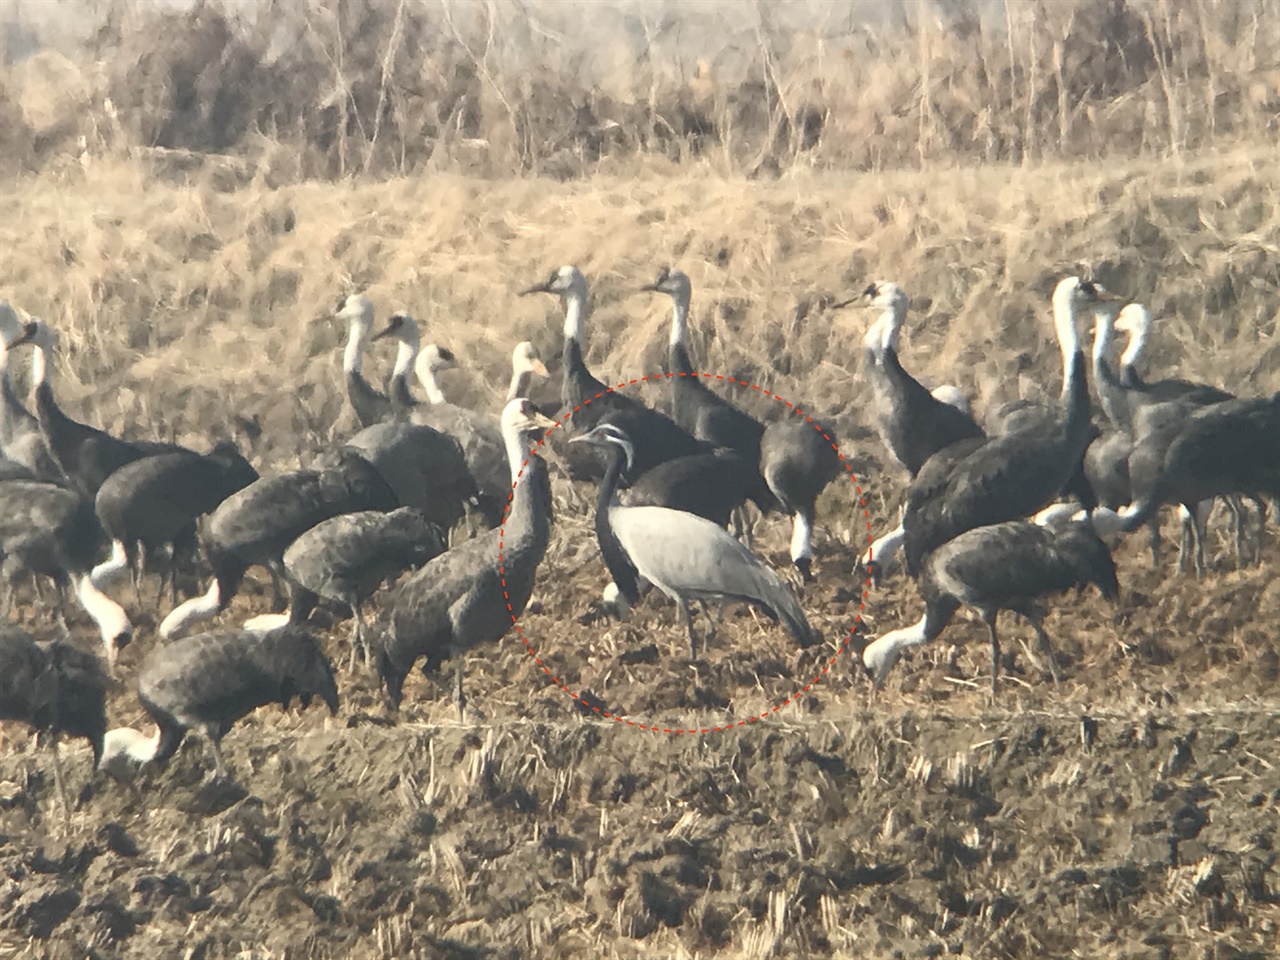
755,718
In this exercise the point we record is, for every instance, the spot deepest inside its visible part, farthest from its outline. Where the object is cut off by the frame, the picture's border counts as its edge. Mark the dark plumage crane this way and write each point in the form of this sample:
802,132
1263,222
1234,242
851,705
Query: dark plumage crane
479,433
408,338
656,437
472,594
798,459
258,523
85,454
345,559
1005,566
155,502
912,422
55,688
209,681
976,483
685,556
48,530
370,404
696,407
21,441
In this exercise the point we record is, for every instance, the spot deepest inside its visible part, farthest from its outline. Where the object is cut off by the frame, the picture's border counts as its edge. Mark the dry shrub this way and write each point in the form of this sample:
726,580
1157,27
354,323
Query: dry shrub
502,88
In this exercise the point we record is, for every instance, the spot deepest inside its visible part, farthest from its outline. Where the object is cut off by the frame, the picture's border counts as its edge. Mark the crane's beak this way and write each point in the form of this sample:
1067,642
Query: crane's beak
540,368
543,287
385,332
543,421
846,303
28,335
650,288
1103,295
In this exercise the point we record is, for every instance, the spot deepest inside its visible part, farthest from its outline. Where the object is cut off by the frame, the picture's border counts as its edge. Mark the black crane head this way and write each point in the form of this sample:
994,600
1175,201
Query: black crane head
560,282
610,436
396,326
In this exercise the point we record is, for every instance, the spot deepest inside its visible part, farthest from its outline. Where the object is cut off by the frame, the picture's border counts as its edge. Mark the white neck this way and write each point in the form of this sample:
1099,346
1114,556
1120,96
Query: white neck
801,538
195,609
108,570
130,745
4,357
427,377
519,383
885,550
881,655
1103,332
890,324
575,309
39,366
1064,325
406,353
680,320
517,455
353,356
105,612
1137,344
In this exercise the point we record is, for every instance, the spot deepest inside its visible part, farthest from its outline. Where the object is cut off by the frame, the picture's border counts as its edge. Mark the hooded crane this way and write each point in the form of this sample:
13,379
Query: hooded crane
345,559
257,524
210,680
51,531
1006,566
472,594
696,407
85,454
656,437
912,422
798,459
370,404
408,337
1222,449
685,556
155,502
55,688
478,433
977,483
20,438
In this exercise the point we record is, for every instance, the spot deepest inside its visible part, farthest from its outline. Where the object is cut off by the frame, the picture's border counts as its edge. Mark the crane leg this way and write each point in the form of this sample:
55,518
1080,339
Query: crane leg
687,616
278,601
1262,528
1236,508
1046,650
59,782
1153,538
219,764
995,650
138,564
459,698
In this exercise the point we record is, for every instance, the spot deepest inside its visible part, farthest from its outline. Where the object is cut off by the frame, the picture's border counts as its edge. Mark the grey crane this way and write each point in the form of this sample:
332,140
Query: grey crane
208,681
55,688
85,454
798,459
48,530
656,436
21,440
471,594
345,559
370,404
976,483
257,524
685,556
479,433
912,422
1005,566
154,503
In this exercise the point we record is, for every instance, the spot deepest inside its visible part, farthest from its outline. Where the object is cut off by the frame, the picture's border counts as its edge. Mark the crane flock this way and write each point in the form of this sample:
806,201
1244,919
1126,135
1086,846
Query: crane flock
994,517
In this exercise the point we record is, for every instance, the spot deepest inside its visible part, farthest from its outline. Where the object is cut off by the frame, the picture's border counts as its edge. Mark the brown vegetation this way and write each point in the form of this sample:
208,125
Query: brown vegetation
186,211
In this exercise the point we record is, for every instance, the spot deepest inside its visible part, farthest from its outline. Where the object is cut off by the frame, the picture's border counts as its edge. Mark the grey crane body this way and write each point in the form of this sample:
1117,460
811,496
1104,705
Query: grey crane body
912,422
685,556
55,688
211,680
155,502
469,595
711,485
1010,476
345,559
51,531
423,467
257,524
1004,566
798,459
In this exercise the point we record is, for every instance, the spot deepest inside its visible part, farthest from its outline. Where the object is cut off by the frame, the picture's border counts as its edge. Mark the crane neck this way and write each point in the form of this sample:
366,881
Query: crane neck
353,356
39,367
680,320
1065,326
1108,385
575,313
520,381
890,324
1134,349
619,564
406,353
431,387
